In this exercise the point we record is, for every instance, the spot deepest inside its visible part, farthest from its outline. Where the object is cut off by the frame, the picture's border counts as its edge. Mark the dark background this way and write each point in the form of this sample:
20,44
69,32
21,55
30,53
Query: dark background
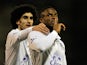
73,13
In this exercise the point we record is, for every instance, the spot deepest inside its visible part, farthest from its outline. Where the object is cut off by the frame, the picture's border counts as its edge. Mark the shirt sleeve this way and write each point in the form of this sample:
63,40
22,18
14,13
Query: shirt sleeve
42,41
24,33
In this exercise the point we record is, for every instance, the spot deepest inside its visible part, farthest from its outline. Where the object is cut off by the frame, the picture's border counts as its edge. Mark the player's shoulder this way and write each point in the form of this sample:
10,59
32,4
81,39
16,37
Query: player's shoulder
13,31
36,33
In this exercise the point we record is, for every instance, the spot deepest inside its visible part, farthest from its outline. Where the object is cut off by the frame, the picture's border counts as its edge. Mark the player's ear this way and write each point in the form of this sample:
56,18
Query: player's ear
41,20
18,22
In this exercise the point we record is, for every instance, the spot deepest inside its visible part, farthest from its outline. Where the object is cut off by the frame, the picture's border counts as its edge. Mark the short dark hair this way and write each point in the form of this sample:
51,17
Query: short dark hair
19,11
44,8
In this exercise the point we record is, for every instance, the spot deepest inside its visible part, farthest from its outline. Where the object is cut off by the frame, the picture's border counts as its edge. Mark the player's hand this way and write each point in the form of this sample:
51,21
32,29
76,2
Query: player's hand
42,28
59,26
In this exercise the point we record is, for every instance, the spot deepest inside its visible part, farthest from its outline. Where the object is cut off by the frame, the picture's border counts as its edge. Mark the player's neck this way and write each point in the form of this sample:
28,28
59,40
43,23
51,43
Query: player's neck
50,27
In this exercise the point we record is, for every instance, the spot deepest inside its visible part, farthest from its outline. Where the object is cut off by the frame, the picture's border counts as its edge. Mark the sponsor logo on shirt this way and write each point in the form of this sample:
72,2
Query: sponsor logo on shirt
56,59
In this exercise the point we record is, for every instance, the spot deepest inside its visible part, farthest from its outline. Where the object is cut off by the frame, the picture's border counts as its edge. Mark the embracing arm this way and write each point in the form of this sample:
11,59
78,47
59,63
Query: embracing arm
16,36
41,28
